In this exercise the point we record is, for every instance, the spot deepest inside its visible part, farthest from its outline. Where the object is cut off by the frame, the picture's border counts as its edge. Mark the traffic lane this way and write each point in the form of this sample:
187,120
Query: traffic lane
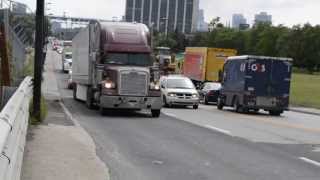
291,128
140,147
133,150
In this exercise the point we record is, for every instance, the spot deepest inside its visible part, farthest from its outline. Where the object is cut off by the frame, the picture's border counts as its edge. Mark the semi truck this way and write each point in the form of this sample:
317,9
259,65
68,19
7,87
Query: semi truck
256,82
113,68
204,64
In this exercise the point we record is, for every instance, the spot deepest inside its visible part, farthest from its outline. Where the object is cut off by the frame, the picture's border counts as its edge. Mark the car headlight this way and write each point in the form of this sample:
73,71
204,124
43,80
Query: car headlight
109,85
195,95
171,94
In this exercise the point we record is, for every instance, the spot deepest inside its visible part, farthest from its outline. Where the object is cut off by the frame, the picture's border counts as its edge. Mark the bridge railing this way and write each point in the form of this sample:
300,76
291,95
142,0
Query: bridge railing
13,130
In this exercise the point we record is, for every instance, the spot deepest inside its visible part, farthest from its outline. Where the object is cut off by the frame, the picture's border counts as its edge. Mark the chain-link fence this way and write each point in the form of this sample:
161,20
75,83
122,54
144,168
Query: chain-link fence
16,48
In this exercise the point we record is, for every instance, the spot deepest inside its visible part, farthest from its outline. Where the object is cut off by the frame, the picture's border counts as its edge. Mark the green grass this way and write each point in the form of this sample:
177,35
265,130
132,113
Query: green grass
28,68
28,71
305,90
44,112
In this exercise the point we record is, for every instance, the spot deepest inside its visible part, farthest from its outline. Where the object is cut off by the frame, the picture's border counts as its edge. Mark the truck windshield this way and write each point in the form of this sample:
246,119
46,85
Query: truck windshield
163,52
179,84
135,59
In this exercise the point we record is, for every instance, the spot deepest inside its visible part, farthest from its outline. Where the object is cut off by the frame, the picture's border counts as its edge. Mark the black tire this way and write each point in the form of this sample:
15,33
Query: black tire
165,104
75,92
104,111
205,99
275,113
155,113
195,106
89,101
238,108
220,103
256,110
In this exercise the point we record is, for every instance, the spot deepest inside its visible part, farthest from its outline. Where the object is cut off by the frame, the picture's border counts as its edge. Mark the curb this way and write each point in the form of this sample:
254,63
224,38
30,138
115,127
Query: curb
305,112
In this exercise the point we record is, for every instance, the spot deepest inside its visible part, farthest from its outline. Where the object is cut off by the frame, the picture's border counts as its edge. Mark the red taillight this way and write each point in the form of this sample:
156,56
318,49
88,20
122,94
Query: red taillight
210,93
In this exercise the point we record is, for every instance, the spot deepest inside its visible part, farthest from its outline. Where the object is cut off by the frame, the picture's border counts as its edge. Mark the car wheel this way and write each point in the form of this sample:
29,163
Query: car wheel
220,103
165,104
155,113
205,100
195,106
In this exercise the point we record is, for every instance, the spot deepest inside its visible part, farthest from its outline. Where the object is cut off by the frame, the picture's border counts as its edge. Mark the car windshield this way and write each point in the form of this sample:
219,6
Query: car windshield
135,59
180,84
213,86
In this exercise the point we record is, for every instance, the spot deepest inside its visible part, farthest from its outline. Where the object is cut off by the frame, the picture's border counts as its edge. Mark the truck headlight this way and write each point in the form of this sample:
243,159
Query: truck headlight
154,86
171,94
109,85
195,95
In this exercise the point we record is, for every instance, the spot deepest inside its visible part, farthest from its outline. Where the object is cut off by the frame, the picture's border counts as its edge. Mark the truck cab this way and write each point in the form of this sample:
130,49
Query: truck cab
113,68
256,82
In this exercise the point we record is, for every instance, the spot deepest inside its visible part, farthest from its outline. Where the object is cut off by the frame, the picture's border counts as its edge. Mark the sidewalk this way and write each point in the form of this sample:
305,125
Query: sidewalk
59,148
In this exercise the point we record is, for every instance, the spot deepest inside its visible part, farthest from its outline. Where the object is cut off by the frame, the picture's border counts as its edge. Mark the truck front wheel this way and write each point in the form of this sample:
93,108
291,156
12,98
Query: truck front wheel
155,113
275,113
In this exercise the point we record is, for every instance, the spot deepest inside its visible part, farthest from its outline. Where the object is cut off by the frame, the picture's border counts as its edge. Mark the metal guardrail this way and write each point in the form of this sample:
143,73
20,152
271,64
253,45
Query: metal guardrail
13,130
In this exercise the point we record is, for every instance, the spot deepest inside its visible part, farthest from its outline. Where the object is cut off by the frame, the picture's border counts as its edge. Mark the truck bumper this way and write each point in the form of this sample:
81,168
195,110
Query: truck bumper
130,102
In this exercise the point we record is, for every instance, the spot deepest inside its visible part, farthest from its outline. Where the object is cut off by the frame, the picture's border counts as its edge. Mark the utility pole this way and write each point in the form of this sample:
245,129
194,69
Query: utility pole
39,36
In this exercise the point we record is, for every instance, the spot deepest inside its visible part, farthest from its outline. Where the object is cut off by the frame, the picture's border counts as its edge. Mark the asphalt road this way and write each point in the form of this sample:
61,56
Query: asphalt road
200,144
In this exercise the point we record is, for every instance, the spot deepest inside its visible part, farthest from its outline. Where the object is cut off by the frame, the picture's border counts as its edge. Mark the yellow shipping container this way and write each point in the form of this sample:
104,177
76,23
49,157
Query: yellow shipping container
204,64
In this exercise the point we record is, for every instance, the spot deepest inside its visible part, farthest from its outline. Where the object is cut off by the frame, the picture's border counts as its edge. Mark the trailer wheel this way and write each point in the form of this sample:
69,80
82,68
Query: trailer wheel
89,101
155,113
75,92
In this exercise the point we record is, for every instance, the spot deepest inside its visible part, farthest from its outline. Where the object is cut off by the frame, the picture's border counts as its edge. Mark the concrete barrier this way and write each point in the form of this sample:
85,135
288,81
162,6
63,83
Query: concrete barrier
13,130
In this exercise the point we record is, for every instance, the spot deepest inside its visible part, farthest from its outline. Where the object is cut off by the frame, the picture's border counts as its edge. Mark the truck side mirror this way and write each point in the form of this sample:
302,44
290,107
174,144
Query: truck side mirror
162,86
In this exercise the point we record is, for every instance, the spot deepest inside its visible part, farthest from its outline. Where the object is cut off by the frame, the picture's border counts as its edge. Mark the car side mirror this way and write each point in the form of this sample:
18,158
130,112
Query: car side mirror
162,86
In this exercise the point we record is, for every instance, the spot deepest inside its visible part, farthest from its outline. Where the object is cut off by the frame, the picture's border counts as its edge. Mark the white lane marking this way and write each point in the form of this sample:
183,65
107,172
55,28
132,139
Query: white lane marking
310,161
219,130
68,113
170,114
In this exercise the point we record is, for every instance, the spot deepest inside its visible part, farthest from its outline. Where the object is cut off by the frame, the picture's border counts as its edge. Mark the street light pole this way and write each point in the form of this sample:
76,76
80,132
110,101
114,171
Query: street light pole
38,60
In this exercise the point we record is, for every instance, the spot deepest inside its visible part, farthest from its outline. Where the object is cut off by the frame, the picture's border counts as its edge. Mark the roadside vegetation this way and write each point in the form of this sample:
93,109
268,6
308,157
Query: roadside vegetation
305,90
28,71
300,42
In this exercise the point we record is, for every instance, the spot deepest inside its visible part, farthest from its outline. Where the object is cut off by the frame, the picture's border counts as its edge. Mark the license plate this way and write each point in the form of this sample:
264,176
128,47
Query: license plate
266,101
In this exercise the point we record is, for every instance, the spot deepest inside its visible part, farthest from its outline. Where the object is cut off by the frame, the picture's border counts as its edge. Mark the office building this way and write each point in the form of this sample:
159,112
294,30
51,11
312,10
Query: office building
238,20
19,8
262,17
164,15
202,25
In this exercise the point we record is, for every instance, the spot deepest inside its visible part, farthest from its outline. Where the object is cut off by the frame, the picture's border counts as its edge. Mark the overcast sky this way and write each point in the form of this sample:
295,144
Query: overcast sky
286,12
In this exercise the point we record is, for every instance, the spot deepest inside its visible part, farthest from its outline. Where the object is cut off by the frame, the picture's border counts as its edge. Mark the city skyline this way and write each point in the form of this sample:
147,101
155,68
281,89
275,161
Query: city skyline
287,12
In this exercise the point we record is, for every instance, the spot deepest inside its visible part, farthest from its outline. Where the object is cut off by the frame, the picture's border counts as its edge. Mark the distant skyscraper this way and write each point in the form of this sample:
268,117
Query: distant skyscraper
202,26
165,15
19,8
262,17
237,20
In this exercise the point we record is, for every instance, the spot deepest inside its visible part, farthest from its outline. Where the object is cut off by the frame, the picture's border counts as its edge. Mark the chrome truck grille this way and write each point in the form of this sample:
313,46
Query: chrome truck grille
133,83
